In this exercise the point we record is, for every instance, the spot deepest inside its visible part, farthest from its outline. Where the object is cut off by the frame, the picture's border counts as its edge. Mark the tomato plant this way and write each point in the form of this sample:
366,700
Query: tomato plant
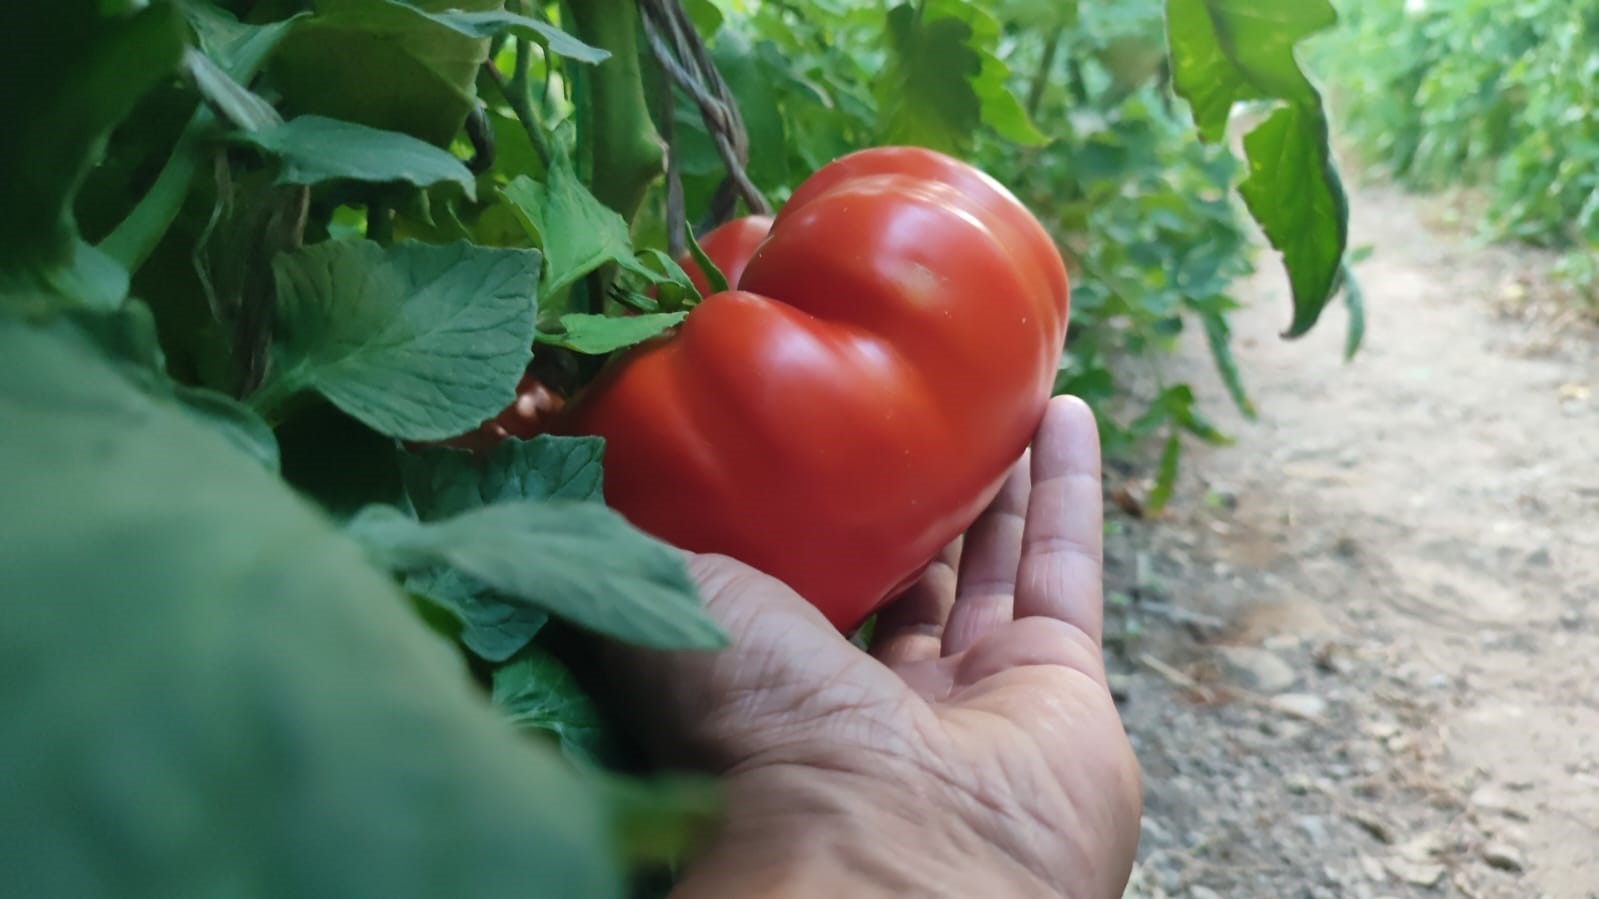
338,345
1493,95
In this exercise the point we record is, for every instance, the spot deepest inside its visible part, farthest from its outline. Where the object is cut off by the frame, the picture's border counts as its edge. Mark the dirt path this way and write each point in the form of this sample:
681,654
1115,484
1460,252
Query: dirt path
1369,659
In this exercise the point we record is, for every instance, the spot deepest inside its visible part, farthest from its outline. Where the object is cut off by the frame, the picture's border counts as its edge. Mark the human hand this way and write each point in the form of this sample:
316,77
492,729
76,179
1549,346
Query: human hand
976,751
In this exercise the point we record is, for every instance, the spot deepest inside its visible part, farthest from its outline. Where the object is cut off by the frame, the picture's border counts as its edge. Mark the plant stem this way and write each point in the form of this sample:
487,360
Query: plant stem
619,150
137,236
1035,95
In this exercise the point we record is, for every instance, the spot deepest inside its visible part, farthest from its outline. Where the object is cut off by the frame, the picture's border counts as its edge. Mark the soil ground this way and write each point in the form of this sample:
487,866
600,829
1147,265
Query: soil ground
1359,656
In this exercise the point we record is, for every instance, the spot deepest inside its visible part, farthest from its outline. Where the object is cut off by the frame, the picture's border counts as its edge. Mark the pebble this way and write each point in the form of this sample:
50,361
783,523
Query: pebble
1419,873
1503,856
1199,892
1492,799
1258,669
1301,705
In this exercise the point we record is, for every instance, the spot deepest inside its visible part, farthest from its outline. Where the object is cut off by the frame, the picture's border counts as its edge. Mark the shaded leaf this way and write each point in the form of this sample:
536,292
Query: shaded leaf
241,108
71,72
312,149
444,482
490,22
395,67
577,560
492,626
420,342
536,692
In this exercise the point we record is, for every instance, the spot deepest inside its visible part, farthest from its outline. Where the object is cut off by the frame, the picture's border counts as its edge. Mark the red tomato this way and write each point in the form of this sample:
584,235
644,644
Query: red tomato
857,401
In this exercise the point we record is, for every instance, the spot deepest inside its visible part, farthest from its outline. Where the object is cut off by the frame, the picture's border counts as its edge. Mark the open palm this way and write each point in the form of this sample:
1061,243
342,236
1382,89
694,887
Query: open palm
975,748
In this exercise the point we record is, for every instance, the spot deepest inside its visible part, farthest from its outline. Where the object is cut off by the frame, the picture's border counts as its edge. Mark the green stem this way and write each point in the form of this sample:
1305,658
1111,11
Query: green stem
619,147
1035,95
137,236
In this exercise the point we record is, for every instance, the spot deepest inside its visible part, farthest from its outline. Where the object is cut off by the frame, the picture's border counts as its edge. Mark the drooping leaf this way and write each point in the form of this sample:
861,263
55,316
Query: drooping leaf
577,232
577,560
72,70
597,335
312,149
420,342
1225,52
489,23
1295,194
210,691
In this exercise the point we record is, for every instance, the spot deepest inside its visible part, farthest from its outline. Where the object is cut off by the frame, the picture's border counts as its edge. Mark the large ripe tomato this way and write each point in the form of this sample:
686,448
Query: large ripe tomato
854,404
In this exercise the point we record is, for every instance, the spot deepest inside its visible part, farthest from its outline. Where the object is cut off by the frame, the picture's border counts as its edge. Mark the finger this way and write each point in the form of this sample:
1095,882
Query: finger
911,629
987,583
1061,575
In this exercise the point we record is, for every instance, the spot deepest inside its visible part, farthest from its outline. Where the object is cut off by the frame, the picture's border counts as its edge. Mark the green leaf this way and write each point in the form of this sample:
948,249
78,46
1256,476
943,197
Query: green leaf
1218,336
386,65
577,560
597,335
715,280
234,421
1179,402
256,711
577,232
1295,194
943,80
420,342
444,482
1225,52
71,72
313,149
536,692
491,625
924,94
1355,305
240,107
497,21
240,50
1165,474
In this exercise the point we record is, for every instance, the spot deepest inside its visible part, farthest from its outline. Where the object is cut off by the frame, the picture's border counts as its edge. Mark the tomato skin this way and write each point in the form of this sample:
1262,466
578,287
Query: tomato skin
856,402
